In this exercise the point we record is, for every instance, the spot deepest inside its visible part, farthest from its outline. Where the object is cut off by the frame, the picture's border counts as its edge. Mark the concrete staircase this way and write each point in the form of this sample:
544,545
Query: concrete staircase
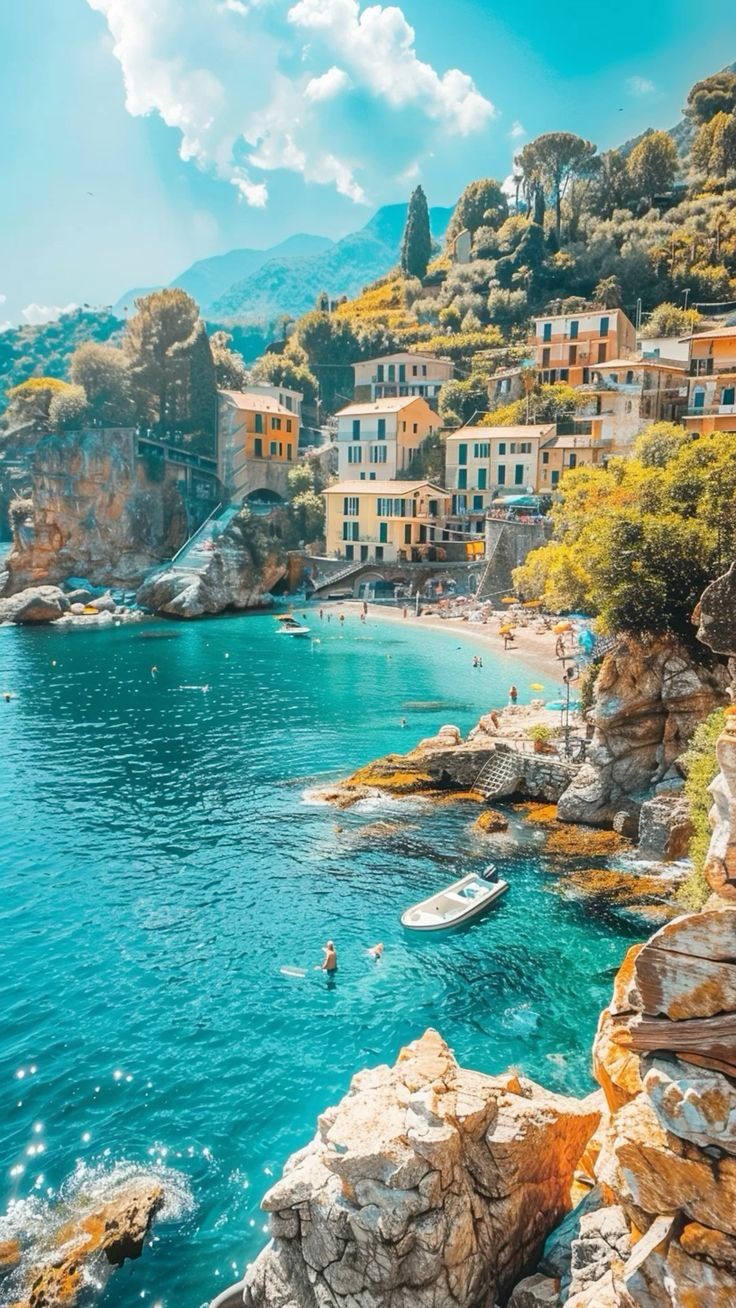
195,554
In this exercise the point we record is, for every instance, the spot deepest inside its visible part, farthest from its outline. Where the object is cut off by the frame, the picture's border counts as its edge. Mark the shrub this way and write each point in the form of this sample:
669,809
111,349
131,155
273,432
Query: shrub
701,768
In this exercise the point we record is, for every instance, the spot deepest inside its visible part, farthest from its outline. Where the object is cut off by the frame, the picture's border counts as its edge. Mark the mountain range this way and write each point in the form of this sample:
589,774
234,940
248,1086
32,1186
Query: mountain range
257,286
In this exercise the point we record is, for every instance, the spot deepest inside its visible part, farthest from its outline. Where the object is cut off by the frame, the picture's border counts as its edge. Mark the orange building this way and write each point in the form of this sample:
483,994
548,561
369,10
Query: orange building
711,404
257,444
568,346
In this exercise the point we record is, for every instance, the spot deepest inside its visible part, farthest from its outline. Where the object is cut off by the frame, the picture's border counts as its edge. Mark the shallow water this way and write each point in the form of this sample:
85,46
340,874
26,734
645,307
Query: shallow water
159,864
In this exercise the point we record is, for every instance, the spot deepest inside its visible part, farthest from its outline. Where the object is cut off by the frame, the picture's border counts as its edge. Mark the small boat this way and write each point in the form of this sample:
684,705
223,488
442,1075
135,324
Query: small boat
291,626
458,903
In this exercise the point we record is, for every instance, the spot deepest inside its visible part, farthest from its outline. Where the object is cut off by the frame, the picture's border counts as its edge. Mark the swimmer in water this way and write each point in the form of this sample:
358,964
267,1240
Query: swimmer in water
329,962
376,951
402,722
154,670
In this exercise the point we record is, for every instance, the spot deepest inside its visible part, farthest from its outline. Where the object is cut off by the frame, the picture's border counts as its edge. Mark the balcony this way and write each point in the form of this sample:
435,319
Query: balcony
710,410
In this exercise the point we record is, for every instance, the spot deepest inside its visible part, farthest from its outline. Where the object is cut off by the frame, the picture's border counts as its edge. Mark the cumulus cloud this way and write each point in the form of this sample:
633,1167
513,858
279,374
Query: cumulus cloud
250,85
516,131
640,86
35,314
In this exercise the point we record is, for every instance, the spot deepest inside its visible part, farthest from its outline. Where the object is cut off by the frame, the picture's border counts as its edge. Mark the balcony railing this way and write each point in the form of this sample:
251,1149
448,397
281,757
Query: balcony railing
710,410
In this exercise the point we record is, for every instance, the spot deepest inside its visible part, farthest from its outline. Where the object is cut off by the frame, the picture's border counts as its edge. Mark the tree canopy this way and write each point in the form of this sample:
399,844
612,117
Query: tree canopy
416,244
653,165
551,161
713,95
482,204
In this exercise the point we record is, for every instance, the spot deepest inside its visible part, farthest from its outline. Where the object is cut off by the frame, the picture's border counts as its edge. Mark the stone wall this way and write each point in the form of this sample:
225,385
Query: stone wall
510,543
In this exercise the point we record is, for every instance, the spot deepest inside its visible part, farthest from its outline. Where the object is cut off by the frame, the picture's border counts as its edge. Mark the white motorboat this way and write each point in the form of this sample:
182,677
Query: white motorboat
456,904
291,626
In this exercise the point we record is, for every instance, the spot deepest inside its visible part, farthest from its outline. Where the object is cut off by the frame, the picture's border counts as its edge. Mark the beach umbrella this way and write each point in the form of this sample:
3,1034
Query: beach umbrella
506,629
536,685
559,627
509,599
533,604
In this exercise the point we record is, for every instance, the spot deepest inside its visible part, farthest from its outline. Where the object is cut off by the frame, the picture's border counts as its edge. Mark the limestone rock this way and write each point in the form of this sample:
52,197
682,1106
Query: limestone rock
603,1242
615,1065
665,827
650,695
428,1186
108,1233
34,604
696,1103
716,614
232,578
536,1292
489,822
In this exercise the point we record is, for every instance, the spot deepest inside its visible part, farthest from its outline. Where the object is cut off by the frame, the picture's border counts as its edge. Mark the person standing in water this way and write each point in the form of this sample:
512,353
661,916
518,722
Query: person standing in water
513,694
329,962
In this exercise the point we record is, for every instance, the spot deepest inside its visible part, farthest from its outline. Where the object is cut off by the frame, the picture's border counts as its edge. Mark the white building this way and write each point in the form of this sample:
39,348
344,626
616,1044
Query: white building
400,374
485,462
288,399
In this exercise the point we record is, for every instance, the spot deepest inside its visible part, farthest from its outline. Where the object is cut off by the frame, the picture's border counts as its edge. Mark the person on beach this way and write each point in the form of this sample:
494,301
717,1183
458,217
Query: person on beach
342,618
329,962
406,612
475,660
365,609
513,694
321,615
560,648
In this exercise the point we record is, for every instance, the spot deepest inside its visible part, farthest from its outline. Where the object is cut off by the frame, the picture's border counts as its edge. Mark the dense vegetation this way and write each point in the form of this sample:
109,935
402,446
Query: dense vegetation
636,542
46,350
701,767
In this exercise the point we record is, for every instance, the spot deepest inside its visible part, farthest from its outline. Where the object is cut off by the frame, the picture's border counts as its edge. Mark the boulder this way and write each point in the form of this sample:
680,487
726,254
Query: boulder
665,827
234,576
536,1291
695,1103
34,604
428,1186
96,1237
489,822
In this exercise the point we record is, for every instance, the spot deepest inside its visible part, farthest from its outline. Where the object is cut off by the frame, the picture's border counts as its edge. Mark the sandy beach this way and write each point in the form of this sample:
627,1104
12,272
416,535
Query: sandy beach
533,649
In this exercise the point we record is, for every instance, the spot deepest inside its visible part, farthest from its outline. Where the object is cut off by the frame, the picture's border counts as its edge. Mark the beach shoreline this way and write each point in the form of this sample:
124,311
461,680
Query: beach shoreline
535,650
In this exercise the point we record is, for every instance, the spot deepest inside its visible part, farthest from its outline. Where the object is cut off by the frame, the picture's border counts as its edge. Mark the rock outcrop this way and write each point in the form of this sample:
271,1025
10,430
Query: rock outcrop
92,1241
34,604
95,512
428,1186
234,576
650,695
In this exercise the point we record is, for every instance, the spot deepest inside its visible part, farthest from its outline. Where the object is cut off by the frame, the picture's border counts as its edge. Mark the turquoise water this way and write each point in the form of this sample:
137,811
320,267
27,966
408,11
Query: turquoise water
159,864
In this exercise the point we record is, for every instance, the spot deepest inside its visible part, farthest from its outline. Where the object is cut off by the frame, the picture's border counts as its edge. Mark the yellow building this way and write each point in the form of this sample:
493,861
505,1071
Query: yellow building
485,462
712,381
561,453
383,521
257,444
377,439
568,345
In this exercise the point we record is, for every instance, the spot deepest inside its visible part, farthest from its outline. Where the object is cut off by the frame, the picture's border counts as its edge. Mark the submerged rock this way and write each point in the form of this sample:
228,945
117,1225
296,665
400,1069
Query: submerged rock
490,822
428,1186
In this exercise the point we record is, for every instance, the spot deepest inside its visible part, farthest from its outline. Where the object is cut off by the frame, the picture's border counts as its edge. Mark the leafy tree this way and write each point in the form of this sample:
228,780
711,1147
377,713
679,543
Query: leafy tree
230,370
608,293
416,244
701,769
611,189
29,403
653,165
331,347
659,443
670,320
289,370
552,160
300,478
460,401
713,95
714,147
200,382
308,513
163,321
102,372
68,410
508,308
482,204
548,402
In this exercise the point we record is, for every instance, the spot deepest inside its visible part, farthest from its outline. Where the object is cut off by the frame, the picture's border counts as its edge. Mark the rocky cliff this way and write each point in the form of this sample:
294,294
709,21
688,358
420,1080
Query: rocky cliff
238,573
96,514
649,696
429,1186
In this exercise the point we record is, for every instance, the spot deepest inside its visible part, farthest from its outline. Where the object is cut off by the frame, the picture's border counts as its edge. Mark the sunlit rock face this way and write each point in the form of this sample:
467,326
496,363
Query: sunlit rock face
650,695
234,578
428,1186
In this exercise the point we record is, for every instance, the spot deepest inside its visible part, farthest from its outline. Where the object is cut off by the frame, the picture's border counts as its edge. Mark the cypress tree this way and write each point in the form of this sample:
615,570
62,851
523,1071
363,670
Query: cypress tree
416,244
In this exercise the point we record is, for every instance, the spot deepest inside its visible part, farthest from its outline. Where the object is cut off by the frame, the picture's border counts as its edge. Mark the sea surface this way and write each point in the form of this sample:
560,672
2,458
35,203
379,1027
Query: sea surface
160,861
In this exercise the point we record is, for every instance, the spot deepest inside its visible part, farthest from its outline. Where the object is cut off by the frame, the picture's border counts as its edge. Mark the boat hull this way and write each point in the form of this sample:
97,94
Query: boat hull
425,917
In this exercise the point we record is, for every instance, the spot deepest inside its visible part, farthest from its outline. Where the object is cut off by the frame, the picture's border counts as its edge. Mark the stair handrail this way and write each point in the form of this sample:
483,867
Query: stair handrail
194,534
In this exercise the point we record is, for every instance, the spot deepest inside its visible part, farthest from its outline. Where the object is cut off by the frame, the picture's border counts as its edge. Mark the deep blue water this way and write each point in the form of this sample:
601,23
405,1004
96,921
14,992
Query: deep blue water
159,864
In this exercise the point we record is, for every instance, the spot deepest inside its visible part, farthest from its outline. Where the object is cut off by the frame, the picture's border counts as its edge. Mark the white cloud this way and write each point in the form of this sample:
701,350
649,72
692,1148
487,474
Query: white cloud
3,298
328,85
516,131
249,86
35,314
640,86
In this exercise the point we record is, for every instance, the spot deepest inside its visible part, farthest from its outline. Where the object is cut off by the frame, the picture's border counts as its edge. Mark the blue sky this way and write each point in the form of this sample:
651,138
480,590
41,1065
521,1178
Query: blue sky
140,135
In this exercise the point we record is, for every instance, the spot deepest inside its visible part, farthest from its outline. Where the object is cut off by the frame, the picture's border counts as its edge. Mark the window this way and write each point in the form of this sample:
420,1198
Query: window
574,331
414,370
502,447
403,426
573,355
699,398
519,474
275,424
379,553
605,322
545,457
481,450
424,369
459,505
389,508
288,405
258,446
355,454
379,372
402,372
630,378
602,351
381,429
564,374
258,421
555,476
362,476
462,452
407,533
349,552
383,533
482,479
501,474
350,531
289,454
288,424
274,447
547,332
379,454
545,358
356,429
462,479
727,396
392,372
415,428
371,476
524,447
350,506
478,503
512,447
573,459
